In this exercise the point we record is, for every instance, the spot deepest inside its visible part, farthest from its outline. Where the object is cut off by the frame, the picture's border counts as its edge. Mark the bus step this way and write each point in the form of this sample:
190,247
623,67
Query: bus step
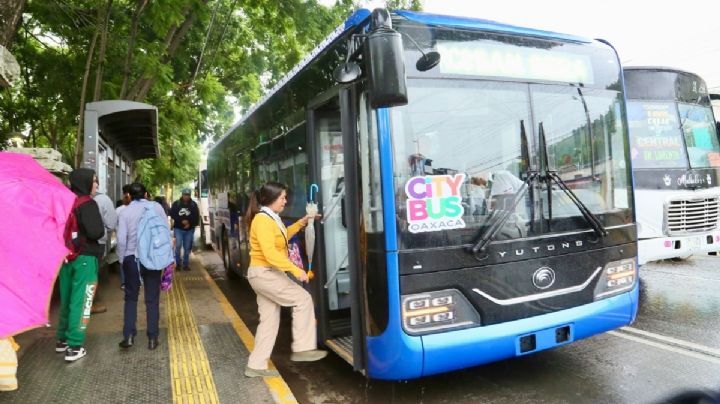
340,326
342,346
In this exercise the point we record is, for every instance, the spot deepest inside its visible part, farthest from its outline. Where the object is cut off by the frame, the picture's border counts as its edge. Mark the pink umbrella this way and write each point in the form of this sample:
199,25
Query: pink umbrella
35,208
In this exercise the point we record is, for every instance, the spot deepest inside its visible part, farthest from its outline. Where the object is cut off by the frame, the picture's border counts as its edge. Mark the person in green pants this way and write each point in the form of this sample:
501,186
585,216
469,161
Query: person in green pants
78,277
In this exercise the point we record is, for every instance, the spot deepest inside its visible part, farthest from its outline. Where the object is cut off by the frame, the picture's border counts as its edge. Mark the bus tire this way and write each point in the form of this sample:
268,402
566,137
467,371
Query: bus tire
203,244
227,263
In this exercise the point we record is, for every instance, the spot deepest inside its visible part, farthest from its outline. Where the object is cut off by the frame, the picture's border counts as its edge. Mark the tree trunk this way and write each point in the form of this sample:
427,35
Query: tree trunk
202,51
168,193
172,41
54,134
81,121
131,46
104,20
10,16
176,40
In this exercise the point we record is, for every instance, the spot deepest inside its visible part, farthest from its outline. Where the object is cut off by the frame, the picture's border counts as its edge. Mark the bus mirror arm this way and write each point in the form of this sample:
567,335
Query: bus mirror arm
428,60
381,51
350,70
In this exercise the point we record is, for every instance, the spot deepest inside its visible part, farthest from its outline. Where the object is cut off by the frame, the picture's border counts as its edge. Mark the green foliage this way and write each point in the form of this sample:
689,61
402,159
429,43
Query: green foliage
414,5
192,66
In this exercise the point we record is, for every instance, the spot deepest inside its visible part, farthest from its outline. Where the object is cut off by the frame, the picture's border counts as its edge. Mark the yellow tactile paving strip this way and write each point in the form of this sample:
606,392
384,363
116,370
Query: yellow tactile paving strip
192,380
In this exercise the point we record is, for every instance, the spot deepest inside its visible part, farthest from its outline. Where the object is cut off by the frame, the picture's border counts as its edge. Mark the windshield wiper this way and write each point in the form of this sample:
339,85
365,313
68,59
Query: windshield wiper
591,135
552,176
499,220
503,217
525,157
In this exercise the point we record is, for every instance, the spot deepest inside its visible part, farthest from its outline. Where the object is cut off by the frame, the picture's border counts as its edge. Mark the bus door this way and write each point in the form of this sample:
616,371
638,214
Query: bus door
335,285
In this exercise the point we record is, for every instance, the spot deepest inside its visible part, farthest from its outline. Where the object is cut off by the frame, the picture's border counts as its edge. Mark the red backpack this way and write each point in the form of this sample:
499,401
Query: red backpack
71,232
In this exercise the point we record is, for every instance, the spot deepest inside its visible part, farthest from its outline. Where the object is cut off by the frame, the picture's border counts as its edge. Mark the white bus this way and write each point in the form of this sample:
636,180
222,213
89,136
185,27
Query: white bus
202,196
675,157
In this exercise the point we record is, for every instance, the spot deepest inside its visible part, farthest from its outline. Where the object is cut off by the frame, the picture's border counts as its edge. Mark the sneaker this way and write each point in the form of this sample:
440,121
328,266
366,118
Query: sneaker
250,372
74,353
308,356
60,346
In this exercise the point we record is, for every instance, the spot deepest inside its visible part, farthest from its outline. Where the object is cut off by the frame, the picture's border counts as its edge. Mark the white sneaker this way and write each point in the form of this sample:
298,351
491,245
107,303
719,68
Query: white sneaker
308,356
73,354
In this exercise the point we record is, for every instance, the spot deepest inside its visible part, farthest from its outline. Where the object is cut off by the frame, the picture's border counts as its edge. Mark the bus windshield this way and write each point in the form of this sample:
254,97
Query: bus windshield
701,139
203,184
657,139
459,158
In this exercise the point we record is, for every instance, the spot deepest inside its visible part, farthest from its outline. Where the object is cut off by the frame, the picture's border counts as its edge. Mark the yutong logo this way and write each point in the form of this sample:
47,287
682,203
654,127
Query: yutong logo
543,278
537,250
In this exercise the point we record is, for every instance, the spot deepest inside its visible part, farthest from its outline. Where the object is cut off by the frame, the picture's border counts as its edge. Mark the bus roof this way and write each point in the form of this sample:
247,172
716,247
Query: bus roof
660,69
361,17
485,25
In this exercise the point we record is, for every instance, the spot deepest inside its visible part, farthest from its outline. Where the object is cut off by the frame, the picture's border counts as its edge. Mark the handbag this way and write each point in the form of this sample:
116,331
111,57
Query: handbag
294,255
167,277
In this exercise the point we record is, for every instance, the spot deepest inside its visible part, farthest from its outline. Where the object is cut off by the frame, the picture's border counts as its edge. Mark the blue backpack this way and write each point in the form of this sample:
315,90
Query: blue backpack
154,246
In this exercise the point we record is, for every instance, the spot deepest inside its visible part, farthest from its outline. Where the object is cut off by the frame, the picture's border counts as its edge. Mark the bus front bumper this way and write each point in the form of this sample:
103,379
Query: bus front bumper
453,350
653,249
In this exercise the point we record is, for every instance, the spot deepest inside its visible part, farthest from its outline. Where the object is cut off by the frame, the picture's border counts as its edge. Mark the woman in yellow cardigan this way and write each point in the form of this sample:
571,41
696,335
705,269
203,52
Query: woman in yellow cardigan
269,262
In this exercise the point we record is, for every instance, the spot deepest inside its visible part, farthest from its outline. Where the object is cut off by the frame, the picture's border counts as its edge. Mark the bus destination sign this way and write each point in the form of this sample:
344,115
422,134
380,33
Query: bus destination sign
483,59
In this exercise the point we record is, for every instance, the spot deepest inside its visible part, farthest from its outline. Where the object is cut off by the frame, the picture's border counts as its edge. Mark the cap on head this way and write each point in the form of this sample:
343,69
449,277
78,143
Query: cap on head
186,191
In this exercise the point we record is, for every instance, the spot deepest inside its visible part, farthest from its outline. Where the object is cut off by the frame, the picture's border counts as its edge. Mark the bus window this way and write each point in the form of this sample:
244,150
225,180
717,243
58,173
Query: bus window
456,130
203,184
293,173
700,136
656,141
577,153
371,190
299,184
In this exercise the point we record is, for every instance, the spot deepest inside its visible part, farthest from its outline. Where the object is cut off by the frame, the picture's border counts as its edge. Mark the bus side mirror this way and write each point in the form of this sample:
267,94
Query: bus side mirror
385,65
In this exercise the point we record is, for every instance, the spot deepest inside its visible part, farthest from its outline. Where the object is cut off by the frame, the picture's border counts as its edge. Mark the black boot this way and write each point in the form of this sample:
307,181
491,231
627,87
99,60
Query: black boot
152,343
127,342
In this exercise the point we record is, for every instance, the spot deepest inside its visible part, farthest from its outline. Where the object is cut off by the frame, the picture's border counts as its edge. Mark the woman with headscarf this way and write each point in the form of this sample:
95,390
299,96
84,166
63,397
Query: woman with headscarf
269,263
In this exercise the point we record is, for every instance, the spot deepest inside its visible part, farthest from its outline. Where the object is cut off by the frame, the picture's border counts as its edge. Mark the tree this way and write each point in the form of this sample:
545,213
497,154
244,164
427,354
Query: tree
170,53
10,16
414,5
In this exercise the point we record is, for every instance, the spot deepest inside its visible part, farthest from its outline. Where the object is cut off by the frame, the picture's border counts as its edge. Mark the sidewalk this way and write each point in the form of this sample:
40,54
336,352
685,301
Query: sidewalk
204,347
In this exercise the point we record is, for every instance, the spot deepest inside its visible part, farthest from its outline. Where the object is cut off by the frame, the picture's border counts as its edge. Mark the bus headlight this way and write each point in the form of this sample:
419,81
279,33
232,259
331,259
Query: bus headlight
437,310
617,277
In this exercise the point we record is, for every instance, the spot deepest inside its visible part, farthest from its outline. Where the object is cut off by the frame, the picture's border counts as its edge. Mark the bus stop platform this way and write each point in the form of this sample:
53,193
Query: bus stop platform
201,357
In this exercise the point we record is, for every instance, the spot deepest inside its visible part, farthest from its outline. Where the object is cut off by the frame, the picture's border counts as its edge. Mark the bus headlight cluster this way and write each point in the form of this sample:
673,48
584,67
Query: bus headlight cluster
617,277
437,310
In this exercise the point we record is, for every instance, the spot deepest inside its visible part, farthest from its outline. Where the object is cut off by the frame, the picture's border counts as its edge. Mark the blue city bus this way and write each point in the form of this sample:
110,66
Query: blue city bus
474,181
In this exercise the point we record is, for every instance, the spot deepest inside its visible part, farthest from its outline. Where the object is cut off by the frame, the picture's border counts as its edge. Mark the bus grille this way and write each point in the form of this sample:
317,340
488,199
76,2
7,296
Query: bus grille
692,215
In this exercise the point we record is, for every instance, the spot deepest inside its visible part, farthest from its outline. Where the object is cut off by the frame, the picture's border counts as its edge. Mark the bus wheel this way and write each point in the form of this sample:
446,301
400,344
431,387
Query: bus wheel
226,257
203,244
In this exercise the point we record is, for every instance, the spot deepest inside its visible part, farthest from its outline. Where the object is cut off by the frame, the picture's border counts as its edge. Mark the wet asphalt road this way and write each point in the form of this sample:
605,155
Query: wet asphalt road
673,346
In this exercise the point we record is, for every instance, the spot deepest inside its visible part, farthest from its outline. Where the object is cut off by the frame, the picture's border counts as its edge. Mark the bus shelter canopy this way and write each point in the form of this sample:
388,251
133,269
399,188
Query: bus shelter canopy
129,126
